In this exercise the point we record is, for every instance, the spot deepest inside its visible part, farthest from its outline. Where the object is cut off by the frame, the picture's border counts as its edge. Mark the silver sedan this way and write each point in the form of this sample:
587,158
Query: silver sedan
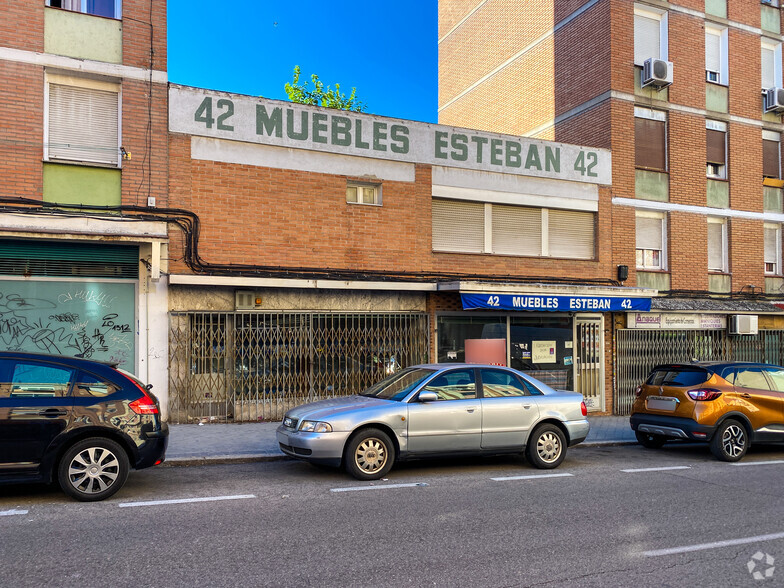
435,410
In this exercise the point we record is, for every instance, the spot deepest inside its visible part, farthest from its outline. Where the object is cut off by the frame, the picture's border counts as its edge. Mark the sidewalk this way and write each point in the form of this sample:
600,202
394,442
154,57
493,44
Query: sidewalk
243,442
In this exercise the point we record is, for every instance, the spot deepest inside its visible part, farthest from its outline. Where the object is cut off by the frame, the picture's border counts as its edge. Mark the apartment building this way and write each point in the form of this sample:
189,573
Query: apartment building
84,162
686,95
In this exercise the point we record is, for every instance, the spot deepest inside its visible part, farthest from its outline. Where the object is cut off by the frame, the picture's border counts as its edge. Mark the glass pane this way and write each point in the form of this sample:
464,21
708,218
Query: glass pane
369,195
453,331
542,347
777,376
30,379
499,384
456,385
751,378
88,385
351,194
101,8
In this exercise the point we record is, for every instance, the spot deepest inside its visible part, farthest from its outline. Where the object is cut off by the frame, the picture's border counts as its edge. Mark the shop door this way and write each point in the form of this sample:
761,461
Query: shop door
589,360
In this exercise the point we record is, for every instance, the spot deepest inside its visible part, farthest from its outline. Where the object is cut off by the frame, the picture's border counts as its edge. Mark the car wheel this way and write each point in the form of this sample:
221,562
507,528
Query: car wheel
730,441
546,448
369,455
93,469
650,440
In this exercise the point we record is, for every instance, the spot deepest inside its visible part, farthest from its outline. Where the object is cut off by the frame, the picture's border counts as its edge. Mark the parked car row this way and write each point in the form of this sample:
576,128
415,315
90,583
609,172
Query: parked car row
85,424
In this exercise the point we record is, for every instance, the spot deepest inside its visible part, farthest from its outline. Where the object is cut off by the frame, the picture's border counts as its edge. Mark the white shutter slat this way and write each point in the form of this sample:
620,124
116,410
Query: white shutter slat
770,245
458,226
83,124
571,234
715,247
768,58
517,230
649,233
712,52
647,38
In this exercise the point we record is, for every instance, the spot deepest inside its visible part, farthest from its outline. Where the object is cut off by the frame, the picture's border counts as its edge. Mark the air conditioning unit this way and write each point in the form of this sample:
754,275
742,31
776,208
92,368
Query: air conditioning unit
657,73
774,100
744,324
247,300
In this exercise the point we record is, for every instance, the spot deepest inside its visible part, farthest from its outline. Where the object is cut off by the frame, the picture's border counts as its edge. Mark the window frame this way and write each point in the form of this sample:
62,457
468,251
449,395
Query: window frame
721,169
661,216
766,44
83,8
658,116
777,253
722,74
772,137
663,18
512,376
724,245
88,84
362,186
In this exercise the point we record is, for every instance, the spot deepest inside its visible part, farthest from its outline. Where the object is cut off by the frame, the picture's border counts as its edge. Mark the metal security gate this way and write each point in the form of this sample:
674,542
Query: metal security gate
589,360
638,351
251,366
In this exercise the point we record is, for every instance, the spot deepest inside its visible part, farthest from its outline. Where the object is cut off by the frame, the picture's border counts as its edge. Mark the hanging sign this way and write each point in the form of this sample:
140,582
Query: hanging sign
541,303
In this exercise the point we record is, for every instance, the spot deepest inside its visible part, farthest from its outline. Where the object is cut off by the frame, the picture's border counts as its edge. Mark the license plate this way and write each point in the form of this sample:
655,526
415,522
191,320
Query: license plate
662,403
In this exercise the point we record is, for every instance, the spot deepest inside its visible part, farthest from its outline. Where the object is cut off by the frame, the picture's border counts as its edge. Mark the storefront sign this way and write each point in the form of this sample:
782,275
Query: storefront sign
676,321
554,303
195,111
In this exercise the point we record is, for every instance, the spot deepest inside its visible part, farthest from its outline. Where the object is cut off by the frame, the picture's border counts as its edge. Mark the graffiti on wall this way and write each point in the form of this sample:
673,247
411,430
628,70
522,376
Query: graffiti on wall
94,320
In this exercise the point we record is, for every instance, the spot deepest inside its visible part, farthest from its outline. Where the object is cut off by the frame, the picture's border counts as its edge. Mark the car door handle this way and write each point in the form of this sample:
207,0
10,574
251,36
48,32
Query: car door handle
53,412
472,409
745,395
526,406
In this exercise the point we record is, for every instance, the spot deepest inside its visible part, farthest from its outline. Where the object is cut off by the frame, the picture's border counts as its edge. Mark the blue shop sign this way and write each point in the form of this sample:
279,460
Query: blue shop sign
555,303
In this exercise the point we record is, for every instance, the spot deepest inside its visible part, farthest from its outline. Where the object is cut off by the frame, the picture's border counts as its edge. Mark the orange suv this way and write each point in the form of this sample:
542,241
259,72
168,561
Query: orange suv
727,404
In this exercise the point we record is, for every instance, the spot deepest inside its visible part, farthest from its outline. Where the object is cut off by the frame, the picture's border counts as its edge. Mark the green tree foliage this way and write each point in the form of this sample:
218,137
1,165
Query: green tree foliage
321,96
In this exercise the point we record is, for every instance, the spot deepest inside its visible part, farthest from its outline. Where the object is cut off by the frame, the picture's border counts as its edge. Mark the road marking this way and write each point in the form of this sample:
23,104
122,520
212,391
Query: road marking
752,463
703,546
634,471
533,477
8,513
185,500
359,488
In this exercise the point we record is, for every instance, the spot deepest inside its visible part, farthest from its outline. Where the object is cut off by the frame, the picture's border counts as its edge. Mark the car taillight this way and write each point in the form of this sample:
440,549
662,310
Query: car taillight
704,394
143,405
583,409
637,391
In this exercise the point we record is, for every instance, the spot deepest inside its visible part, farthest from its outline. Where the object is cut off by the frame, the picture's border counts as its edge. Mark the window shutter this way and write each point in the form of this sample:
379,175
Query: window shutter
649,150
715,246
770,159
771,235
458,226
649,233
647,41
571,234
712,52
716,151
517,230
768,69
83,124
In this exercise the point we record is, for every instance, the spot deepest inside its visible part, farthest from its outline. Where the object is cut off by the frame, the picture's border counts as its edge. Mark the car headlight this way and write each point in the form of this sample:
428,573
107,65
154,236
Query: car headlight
315,427
288,422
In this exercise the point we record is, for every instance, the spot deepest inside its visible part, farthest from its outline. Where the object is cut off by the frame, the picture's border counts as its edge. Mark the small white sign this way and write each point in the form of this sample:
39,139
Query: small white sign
543,352
675,321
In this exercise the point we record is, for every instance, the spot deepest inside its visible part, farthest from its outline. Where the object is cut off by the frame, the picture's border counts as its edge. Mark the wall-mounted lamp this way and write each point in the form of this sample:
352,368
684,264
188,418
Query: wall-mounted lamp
623,273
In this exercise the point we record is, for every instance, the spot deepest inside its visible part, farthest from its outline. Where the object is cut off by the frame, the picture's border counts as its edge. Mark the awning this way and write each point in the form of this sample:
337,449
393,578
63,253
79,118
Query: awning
714,305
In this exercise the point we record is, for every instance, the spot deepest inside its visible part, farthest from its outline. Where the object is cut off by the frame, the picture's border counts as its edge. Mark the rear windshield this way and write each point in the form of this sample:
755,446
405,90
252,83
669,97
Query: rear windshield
677,377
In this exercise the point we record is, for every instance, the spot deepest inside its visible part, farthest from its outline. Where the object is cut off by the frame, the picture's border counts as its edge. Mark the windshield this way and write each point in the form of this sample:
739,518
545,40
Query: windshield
397,386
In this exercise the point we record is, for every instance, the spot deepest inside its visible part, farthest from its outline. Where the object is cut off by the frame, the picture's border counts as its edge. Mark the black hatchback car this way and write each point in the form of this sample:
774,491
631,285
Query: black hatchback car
80,422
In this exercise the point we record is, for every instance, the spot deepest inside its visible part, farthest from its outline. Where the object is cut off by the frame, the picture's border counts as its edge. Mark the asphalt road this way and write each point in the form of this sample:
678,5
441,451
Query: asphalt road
461,523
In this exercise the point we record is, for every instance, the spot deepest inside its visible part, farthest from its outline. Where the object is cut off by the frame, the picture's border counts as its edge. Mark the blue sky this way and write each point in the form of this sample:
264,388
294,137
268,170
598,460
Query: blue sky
387,49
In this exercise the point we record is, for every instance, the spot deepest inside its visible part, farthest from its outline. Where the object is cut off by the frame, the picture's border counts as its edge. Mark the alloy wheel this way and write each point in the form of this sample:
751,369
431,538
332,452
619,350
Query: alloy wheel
93,470
548,446
371,455
733,440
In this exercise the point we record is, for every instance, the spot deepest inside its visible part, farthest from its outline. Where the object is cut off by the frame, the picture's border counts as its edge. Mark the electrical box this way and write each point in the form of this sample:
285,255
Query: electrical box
247,300
744,324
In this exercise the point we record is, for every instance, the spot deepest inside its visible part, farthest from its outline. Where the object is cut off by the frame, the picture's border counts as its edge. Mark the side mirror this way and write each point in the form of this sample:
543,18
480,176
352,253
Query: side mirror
428,396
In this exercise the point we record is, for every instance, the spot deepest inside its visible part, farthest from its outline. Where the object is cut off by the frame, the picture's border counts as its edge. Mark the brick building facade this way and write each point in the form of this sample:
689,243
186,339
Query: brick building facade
83,153
693,211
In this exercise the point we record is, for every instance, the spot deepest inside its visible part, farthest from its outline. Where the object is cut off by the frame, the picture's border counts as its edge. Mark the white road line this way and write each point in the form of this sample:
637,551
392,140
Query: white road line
533,477
8,513
703,546
634,471
360,488
752,463
185,500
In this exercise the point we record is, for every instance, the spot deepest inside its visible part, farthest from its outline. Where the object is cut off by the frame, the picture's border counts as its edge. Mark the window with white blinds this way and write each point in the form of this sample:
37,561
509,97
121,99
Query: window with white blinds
83,124
649,35
650,241
517,230
772,249
771,65
716,58
458,226
571,234
717,245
